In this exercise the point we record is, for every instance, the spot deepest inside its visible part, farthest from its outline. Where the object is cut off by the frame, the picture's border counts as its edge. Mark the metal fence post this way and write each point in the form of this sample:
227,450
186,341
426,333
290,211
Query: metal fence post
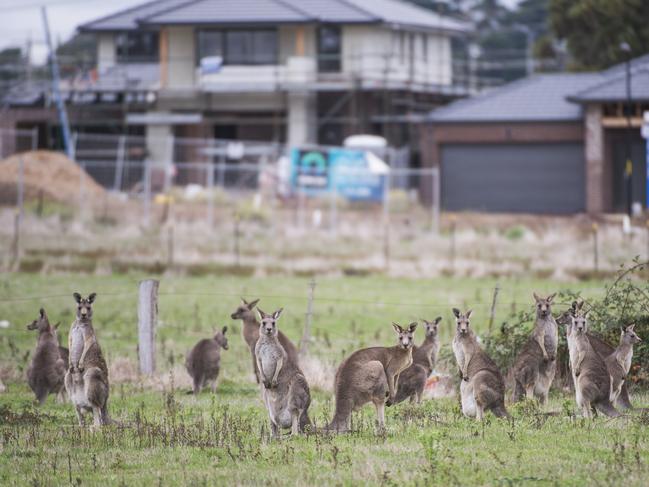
147,314
210,194
435,199
306,336
119,163
20,202
147,190
34,136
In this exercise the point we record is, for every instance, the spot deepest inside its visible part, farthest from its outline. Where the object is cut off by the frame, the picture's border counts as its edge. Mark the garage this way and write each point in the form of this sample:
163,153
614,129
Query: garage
527,178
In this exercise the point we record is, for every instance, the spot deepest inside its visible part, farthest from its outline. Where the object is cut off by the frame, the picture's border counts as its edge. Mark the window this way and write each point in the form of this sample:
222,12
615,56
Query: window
329,46
137,47
237,46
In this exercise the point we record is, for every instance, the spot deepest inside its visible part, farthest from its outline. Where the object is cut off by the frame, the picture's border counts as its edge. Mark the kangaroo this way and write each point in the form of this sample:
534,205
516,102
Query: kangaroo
47,369
367,374
413,380
482,387
250,333
589,373
602,348
619,362
286,392
204,360
87,378
535,365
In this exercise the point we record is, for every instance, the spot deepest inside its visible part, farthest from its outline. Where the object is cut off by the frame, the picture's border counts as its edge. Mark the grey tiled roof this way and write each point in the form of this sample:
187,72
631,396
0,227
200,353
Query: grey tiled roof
127,19
537,98
215,12
615,90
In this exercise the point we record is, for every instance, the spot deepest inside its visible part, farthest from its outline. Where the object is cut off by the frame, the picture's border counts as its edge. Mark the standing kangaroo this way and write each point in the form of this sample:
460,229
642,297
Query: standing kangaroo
204,360
367,374
47,368
286,392
619,362
413,380
602,348
482,387
250,333
589,372
535,366
87,378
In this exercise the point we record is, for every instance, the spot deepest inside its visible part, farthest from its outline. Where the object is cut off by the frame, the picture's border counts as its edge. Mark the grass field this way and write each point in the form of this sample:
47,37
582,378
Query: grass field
167,437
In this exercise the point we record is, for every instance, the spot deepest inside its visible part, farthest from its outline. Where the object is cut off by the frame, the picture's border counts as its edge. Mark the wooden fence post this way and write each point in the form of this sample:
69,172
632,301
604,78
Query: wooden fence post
147,313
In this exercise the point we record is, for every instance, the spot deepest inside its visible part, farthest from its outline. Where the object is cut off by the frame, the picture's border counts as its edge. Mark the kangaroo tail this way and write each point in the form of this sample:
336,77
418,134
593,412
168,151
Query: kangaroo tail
340,420
623,400
607,408
500,411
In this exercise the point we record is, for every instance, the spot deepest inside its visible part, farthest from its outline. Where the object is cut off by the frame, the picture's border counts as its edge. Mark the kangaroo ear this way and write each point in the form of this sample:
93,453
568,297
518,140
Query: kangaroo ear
56,327
77,297
456,312
536,297
277,313
252,304
412,327
243,301
551,297
225,328
630,327
469,313
42,312
261,313
437,320
397,327
91,298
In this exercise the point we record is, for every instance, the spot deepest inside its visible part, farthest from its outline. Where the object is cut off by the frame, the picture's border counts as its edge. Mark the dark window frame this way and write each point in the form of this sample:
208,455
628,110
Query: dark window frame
127,58
224,45
329,62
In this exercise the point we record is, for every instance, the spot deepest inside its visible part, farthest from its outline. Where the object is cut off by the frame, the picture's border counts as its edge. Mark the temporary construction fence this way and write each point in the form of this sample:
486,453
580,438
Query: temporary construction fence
214,175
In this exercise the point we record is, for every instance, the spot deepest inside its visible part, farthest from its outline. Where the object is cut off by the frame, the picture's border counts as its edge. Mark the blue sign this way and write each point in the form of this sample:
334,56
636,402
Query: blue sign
346,171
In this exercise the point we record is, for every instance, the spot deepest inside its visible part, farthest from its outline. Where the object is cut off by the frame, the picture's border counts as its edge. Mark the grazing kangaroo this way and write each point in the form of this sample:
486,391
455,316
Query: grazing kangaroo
286,391
87,378
46,371
413,380
482,387
250,333
602,348
589,372
535,365
204,360
367,375
619,362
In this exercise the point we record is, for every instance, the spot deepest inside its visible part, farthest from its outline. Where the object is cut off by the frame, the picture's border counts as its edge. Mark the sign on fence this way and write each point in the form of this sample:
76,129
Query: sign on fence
353,174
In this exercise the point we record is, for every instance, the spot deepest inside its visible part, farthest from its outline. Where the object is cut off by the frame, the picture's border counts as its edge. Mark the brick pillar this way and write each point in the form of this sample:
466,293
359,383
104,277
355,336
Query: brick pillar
594,148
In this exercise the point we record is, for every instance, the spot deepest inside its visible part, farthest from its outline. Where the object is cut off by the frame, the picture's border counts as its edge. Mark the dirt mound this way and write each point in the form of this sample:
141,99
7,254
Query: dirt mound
50,173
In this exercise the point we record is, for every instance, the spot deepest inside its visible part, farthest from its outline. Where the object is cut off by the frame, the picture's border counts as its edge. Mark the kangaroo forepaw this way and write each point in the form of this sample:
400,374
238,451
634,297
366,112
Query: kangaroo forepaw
273,384
465,378
389,402
267,384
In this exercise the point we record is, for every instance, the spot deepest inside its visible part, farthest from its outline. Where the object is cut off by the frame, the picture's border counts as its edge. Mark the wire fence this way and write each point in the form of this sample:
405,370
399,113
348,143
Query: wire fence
213,177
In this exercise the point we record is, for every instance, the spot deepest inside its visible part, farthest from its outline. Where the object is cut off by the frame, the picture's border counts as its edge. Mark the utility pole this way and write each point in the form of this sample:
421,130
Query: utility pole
56,79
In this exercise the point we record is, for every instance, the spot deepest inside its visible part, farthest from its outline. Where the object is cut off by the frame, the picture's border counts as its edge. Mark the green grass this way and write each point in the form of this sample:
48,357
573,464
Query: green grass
169,438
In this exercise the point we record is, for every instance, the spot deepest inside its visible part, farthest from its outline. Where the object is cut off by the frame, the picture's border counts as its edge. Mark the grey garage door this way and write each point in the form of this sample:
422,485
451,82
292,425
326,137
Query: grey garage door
531,178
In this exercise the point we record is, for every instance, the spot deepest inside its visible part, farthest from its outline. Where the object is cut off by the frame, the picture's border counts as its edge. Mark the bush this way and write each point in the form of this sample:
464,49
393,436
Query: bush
625,301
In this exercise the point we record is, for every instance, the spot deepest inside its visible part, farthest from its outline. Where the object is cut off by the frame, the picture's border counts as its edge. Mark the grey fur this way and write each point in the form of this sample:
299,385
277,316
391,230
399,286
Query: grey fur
367,375
46,371
285,390
413,380
535,365
250,332
86,380
618,363
482,387
203,361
